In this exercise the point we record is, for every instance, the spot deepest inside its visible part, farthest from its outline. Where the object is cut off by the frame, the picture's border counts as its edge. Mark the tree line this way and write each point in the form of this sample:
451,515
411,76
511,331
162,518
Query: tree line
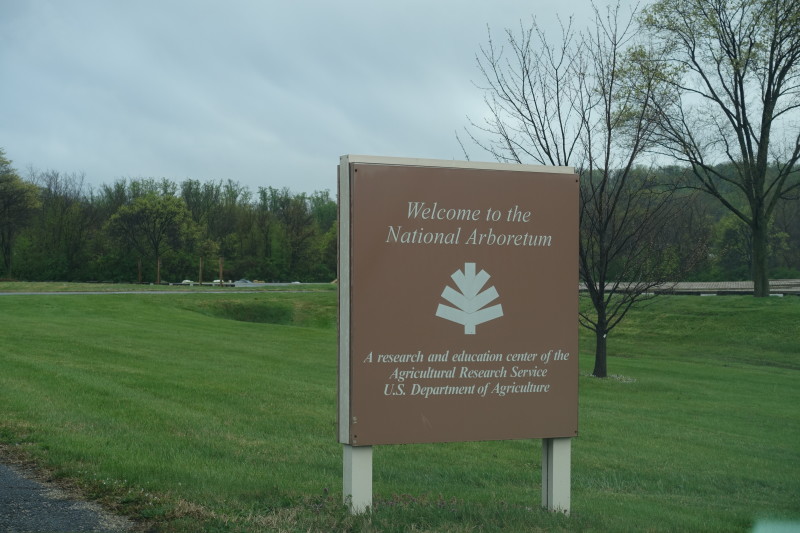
55,227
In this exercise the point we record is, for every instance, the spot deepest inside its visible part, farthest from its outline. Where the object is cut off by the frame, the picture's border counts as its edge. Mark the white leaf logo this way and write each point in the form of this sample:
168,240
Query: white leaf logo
470,302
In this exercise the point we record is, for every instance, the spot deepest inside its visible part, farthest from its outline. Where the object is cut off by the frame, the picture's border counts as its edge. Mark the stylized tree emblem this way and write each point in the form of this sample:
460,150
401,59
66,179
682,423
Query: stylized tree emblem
471,301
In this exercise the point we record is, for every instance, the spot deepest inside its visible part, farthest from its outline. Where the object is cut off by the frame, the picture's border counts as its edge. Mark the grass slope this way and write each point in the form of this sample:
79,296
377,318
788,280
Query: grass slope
216,412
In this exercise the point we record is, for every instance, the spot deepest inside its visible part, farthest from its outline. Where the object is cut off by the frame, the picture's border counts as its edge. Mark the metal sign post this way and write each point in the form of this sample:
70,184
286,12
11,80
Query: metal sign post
556,474
358,478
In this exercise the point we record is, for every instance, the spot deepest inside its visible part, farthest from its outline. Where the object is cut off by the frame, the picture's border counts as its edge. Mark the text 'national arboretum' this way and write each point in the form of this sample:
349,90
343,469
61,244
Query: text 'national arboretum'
475,231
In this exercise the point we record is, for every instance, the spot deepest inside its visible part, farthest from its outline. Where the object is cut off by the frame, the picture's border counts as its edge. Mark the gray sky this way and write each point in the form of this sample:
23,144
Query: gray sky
262,92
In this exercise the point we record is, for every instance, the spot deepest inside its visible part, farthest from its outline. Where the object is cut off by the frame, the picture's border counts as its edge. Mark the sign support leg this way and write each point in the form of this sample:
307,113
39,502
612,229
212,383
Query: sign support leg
358,478
556,459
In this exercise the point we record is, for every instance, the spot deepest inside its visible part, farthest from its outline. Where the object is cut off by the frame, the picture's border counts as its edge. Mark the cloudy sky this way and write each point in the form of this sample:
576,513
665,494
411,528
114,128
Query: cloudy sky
263,92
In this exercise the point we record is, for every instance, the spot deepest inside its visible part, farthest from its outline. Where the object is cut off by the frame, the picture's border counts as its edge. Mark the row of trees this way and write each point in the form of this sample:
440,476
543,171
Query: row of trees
712,86
56,227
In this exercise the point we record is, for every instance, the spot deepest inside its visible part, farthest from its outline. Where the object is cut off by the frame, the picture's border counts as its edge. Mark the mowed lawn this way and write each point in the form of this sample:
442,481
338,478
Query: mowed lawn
216,412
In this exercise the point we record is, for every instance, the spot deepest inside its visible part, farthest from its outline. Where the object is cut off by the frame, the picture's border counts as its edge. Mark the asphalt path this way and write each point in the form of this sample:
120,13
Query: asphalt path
31,506
783,287
68,293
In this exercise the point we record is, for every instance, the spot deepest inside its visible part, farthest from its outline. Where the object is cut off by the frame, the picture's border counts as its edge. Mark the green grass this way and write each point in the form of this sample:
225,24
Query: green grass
216,412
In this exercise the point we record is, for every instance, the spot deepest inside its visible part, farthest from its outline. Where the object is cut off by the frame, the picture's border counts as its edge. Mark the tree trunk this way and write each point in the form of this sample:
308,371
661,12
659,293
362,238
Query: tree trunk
760,271
158,271
200,273
600,354
7,259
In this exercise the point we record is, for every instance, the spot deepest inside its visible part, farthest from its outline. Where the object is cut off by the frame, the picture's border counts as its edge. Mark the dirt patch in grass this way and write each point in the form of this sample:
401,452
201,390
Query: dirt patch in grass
287,312
257,311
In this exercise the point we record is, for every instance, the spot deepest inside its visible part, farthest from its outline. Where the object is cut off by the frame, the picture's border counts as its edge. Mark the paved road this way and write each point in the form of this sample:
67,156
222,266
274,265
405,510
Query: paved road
96,293
784,287
30,506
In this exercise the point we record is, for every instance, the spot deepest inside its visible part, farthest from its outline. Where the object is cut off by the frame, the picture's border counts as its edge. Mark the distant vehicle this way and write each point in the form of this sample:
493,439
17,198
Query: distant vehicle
244,281
187,282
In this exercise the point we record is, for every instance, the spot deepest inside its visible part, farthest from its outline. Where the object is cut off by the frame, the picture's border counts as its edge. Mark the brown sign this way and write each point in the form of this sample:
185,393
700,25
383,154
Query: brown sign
458,303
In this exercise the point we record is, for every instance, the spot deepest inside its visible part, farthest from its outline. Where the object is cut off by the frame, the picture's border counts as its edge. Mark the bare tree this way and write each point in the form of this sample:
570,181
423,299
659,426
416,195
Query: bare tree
581,103
734,66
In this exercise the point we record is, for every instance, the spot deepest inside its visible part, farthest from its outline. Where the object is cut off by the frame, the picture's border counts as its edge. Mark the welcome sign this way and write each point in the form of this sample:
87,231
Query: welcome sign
458,301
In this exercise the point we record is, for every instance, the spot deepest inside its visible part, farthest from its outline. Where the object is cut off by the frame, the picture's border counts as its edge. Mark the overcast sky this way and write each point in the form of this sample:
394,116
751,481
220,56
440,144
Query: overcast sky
263,92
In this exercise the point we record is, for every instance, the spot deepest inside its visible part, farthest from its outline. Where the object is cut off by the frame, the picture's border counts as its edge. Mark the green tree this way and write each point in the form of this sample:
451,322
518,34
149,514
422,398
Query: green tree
228,223
297,222
62,232
325,212
18,202
733,247
324,209
787,222
735,99
267,228
203,200
153,225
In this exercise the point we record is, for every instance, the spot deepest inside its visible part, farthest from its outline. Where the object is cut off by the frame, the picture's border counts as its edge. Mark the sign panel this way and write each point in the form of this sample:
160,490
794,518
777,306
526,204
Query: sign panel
458,301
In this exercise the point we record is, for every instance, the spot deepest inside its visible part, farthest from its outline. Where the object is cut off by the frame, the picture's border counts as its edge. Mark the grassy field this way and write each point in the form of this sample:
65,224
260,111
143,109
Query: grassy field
216,412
